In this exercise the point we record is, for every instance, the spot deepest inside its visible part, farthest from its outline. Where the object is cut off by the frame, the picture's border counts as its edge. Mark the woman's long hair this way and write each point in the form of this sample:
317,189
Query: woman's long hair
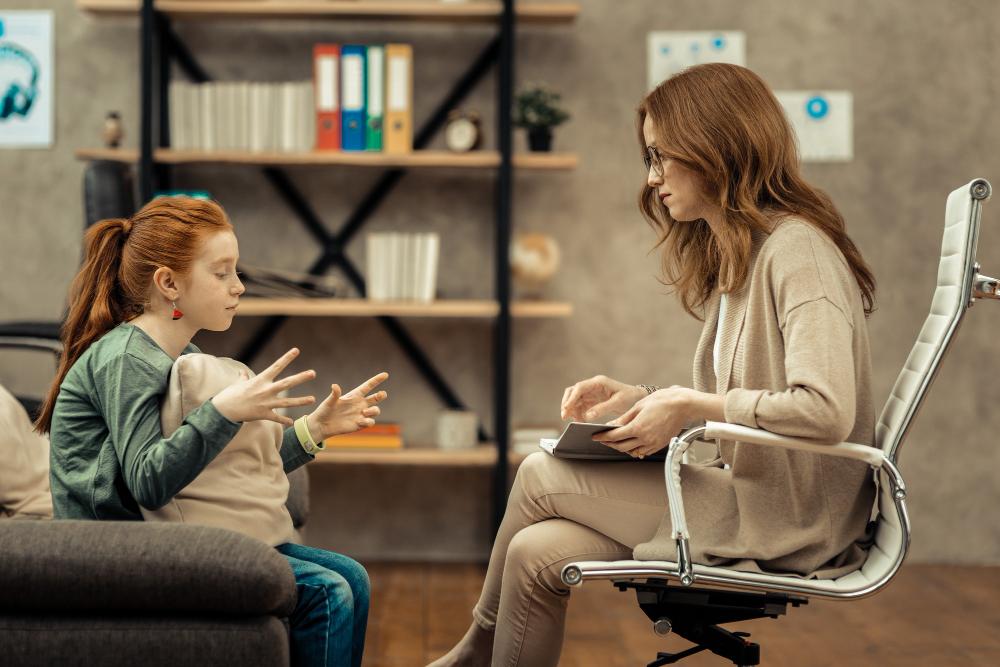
114,283
724,123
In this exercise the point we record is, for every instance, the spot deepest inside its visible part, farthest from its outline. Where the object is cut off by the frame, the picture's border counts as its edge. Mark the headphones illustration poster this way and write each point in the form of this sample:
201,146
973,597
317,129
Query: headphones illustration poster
25,79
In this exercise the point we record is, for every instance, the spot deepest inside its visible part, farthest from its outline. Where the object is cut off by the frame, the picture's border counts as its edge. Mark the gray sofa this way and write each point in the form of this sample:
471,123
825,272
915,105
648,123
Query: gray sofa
151,594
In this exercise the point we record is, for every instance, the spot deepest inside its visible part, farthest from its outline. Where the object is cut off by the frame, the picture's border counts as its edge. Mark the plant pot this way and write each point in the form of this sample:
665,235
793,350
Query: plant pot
540,139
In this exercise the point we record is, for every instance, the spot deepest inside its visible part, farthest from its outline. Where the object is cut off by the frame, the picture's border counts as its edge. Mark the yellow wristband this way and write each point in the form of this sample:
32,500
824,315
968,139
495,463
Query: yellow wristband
305,437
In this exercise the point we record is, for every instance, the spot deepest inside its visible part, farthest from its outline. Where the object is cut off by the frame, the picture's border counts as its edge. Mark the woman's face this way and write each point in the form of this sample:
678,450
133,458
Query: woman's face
679,189
212,289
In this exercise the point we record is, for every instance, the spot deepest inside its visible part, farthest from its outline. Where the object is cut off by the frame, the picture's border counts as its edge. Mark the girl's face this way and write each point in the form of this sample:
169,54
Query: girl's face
680,189
212,289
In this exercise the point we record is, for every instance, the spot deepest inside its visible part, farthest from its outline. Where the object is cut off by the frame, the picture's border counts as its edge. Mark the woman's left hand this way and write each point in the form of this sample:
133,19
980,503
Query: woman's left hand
650,424
347,413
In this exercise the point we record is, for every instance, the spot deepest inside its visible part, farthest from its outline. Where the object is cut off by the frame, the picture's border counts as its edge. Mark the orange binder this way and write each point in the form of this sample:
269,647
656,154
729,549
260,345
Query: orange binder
326,78
398,124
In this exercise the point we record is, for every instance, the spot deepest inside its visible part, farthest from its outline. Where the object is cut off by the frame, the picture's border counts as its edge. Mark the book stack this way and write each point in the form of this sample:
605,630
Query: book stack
242,116
524,440
379,436
364,97
402,266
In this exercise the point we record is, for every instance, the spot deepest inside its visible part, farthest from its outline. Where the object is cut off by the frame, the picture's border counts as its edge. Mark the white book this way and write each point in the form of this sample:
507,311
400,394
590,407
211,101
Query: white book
207,103
431,266
243,113
419,266
308,111
395,265
222,116
193,99
173,96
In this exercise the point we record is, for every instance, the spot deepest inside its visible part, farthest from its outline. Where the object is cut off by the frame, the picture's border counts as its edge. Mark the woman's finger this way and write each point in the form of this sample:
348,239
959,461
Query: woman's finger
373,411
274,370
364,423
335,394
613,435
627,446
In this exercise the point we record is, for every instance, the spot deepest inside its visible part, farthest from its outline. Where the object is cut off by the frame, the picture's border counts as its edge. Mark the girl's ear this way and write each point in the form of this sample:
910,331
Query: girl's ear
165,282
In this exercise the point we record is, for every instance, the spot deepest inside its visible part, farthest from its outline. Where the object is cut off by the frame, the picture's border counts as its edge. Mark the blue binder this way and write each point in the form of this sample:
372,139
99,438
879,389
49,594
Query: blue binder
353,96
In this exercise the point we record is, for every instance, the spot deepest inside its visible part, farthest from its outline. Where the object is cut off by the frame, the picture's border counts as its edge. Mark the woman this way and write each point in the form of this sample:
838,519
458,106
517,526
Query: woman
148,284
763,258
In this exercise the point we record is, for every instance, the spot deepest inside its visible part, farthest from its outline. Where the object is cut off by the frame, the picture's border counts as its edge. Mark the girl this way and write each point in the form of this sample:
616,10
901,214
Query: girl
147,285
763,257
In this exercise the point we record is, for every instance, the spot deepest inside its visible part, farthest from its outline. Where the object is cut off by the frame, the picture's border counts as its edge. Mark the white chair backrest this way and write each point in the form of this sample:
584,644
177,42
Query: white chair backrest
952,297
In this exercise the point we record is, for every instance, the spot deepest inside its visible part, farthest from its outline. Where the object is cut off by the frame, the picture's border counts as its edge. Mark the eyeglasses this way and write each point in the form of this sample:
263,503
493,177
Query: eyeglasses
653,159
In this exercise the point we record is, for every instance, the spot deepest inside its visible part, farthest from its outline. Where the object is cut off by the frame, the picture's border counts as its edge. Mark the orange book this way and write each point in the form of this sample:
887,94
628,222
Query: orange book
398,124
326,73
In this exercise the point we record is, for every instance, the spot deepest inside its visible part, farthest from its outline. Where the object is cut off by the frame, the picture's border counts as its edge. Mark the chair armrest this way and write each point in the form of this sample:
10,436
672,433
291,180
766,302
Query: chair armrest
672,469
724,431
119,566
31,335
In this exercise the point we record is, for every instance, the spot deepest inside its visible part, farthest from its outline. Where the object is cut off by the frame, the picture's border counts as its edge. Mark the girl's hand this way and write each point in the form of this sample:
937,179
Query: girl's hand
253,399
600,395
651,423
346,414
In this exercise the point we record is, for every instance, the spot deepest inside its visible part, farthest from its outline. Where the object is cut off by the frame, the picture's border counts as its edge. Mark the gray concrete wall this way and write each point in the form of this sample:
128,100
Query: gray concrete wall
923,78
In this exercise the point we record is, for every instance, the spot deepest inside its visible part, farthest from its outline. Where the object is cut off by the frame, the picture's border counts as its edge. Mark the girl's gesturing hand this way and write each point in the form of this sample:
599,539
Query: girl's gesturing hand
349,412
253,399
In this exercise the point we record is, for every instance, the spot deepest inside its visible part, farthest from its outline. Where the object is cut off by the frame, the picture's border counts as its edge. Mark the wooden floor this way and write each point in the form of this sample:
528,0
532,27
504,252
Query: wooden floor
928,615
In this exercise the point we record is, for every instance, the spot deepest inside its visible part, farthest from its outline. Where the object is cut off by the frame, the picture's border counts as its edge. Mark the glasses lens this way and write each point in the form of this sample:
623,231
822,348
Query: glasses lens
652,159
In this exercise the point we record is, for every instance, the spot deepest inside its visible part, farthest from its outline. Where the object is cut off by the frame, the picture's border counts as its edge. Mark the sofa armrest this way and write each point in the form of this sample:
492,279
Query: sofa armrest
134,566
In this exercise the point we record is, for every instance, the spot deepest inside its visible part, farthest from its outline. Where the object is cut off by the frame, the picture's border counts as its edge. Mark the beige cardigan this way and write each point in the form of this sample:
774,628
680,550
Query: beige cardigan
794,359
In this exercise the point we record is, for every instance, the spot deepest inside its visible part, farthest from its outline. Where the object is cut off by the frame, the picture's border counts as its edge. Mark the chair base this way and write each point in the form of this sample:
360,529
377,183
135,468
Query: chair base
695,615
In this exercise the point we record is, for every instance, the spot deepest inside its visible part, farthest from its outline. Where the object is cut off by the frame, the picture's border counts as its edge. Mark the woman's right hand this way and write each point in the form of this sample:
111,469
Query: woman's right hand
255,398
600,395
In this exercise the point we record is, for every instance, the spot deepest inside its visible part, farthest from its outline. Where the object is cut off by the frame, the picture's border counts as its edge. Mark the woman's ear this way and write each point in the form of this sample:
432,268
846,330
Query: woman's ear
165,282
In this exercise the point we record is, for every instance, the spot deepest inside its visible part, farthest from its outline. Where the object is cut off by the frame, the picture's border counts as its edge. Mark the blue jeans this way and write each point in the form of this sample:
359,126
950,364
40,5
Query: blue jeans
331,615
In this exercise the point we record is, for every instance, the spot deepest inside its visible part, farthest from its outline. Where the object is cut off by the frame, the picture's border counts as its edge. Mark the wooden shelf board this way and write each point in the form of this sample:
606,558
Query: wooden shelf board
379,10
364,308
416,159
481,456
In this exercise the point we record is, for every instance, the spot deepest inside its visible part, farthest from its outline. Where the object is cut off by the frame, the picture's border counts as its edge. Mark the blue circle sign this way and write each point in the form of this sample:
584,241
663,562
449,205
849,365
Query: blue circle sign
817,107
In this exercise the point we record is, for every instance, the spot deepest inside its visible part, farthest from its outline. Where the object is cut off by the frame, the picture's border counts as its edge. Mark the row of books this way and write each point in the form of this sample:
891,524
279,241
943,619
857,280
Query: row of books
360,99
242,116
364,97
402,266
379,436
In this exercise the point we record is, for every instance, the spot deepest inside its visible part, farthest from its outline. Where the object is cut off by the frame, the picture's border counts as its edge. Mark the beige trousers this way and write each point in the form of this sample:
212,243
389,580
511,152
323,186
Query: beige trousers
558,512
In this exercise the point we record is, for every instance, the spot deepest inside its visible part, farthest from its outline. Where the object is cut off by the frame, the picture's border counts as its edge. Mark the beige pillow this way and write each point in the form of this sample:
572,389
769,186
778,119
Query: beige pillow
24,464
244,488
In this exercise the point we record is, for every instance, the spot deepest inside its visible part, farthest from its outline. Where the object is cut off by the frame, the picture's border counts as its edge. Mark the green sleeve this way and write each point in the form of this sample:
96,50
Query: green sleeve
155,468
293,454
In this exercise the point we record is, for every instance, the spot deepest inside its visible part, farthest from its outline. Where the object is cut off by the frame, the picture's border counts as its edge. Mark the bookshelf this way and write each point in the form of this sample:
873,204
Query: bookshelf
372,10
483,456
455,308
415,160
161,48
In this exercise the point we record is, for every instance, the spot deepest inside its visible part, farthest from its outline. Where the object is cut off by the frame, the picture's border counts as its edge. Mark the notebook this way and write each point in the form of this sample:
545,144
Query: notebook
576,443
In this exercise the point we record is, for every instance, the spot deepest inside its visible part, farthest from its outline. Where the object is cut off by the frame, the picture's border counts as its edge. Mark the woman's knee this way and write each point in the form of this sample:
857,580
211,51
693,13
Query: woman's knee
357,577
530,558
328,590
532,472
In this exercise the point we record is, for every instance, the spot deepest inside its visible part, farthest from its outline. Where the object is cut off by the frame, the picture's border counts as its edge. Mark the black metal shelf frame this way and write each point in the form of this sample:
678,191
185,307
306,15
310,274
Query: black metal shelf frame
160,46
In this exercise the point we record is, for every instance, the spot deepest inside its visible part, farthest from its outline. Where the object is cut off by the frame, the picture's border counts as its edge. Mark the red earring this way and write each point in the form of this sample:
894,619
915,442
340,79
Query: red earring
177,313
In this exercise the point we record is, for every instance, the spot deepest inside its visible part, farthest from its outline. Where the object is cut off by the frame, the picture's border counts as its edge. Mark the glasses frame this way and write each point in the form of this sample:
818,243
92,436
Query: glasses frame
653,160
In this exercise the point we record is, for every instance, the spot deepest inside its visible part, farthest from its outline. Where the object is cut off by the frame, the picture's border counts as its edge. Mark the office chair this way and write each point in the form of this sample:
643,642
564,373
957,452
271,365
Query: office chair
108,192
692,600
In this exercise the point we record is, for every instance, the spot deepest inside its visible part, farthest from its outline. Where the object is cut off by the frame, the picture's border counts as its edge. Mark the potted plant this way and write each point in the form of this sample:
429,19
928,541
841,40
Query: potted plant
536,110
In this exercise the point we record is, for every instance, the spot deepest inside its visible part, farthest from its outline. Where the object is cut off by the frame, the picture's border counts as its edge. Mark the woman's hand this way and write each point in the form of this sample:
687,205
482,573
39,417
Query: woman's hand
600,395
651,423
253,399
346,414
